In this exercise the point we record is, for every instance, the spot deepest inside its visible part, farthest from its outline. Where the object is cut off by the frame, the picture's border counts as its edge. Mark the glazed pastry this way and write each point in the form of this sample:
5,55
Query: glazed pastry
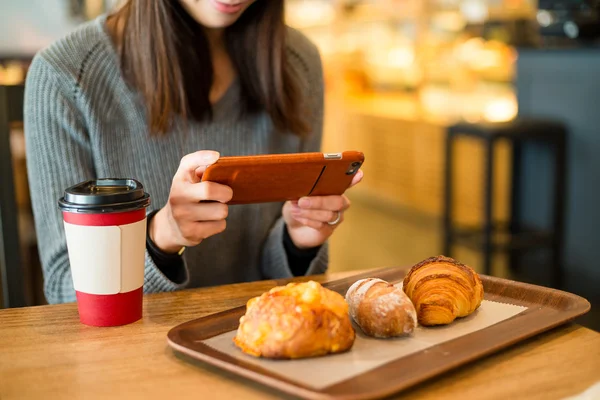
295,321
381,309
442,289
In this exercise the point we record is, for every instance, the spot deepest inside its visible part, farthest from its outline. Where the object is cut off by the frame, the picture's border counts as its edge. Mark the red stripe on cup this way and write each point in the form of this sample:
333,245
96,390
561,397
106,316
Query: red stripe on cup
107,219
110,310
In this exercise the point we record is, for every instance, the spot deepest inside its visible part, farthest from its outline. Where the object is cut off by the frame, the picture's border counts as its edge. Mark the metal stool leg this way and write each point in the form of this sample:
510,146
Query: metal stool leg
487,207
560,187
515,196
447,247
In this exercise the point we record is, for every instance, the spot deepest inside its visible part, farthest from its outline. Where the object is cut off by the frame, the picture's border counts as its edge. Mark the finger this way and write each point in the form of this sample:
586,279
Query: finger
210,191
315,215
329,203
312,224
357,177
197,232
193,165
202,212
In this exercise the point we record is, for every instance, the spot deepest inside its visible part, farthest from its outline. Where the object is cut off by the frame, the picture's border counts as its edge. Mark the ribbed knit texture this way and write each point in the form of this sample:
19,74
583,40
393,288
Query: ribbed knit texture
82,122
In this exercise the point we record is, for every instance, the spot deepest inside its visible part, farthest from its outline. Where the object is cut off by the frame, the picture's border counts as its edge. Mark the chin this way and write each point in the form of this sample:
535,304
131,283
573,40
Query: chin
216,13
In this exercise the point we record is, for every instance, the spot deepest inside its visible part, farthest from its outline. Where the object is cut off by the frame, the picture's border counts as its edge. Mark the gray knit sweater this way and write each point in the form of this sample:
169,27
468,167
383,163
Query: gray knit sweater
83,122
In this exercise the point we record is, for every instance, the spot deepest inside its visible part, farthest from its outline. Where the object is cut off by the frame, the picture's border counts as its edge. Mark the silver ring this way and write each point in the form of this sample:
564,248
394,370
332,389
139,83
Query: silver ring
339,216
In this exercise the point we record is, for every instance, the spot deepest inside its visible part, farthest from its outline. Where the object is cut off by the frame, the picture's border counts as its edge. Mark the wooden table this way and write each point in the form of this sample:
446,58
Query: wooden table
45,353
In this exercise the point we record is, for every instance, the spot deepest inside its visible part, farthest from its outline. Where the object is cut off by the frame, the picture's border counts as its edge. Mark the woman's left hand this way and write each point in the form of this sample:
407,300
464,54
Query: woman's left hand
311,220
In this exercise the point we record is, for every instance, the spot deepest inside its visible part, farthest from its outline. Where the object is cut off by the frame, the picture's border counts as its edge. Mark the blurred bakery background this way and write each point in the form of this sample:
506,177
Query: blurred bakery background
478,118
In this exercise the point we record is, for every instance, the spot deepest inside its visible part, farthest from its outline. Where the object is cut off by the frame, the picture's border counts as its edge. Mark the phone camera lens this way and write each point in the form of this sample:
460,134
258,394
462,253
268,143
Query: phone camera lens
353,167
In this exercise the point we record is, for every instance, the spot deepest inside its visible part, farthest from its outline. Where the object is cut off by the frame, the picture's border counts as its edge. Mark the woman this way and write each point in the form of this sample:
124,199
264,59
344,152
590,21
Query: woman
159,90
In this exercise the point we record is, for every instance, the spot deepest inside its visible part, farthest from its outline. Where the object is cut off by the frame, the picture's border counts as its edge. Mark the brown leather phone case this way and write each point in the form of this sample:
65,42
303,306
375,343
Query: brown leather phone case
281,177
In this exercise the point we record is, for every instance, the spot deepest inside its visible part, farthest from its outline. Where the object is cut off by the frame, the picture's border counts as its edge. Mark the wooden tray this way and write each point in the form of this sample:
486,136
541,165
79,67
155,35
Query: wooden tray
547,308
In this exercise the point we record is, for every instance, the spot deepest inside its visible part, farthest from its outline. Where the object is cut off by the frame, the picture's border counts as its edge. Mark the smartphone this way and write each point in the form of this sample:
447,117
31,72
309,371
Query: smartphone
282,177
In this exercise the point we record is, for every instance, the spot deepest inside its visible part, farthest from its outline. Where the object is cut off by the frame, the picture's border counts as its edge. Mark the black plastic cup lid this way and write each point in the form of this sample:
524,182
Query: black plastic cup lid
105,196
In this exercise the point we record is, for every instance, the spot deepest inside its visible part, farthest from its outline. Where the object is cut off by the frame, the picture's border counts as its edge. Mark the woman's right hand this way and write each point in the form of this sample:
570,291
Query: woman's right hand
195,210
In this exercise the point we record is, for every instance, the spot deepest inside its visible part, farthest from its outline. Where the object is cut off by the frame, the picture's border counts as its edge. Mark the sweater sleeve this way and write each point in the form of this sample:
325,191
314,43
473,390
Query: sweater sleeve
274,262
59,155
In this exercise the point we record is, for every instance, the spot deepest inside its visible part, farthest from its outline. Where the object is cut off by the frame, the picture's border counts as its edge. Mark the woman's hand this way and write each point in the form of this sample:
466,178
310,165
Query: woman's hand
186,219
311,220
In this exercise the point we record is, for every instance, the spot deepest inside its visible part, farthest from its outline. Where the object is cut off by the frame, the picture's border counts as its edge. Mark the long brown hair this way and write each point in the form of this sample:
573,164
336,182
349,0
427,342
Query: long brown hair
165,56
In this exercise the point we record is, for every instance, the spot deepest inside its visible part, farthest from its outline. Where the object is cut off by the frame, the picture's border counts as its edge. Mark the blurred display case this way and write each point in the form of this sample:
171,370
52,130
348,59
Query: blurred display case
398,72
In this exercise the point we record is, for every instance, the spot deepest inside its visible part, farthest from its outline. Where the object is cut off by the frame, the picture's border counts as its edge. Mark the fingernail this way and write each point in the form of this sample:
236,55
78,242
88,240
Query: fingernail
210,156
304,202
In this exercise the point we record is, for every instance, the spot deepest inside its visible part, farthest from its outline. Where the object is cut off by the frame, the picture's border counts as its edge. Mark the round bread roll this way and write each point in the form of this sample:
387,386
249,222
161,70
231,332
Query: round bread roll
381,309
295,321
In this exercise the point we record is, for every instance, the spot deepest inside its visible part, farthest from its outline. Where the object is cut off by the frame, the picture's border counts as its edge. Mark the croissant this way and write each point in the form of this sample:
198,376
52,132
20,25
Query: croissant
297,320
442,289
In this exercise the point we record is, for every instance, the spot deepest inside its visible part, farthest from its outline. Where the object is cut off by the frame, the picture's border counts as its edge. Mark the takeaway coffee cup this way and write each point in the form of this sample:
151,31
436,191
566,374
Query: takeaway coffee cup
105,226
